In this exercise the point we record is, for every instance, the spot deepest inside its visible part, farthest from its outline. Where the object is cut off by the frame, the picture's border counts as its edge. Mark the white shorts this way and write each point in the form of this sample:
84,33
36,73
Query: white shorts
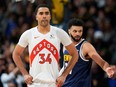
42,85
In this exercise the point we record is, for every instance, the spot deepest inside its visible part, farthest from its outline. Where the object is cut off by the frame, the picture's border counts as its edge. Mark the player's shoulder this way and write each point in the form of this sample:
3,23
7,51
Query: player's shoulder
87,44
56,28
31,30
58,31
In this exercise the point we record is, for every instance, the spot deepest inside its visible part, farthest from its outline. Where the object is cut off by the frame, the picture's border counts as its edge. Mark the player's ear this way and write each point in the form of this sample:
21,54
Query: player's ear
36,17
50,16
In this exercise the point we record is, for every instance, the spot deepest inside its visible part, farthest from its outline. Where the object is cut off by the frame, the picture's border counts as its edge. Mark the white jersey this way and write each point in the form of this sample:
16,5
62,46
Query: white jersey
44,52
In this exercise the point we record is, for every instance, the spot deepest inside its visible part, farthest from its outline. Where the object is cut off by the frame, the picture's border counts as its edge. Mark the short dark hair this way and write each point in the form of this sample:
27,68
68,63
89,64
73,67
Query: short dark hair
42,5
75,22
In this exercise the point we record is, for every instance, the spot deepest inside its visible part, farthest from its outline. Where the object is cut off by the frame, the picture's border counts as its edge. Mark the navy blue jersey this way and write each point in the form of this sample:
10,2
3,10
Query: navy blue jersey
80,76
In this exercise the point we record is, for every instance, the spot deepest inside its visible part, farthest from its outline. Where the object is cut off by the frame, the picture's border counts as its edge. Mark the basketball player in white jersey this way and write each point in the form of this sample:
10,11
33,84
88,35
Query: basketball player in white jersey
43,43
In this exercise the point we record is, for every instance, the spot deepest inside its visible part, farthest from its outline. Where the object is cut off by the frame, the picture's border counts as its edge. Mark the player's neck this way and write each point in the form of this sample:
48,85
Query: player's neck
43,30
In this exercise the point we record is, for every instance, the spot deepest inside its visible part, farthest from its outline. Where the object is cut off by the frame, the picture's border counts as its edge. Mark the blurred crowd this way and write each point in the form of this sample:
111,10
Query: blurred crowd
99,17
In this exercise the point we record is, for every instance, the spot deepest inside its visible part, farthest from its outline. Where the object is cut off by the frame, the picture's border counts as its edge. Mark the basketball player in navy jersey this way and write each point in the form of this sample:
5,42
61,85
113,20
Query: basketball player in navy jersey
80,75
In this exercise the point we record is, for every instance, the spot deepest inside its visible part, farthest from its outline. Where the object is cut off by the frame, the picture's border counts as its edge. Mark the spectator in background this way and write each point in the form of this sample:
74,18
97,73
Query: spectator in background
12,84
2,68
11,74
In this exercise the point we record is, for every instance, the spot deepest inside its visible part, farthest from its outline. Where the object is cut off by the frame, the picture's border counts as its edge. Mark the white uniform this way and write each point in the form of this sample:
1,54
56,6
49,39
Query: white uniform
44,54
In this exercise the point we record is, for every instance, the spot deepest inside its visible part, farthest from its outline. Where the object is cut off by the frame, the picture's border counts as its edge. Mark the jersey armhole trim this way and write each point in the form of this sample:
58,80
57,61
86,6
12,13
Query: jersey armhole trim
81,53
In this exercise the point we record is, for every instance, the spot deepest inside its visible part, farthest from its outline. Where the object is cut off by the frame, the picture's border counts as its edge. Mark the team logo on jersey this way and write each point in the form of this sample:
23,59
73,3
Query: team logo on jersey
36,37
52,36
47,45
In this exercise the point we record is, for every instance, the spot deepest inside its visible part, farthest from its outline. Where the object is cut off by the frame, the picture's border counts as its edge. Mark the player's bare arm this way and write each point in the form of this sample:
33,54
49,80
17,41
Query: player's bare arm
17,59
73,52
89,50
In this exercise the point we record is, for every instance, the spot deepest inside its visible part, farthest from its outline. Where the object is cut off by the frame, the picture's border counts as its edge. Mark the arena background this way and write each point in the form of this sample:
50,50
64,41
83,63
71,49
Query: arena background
99,17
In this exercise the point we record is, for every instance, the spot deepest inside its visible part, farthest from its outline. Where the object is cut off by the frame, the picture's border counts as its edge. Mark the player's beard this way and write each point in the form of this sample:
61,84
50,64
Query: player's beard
44,23
76,40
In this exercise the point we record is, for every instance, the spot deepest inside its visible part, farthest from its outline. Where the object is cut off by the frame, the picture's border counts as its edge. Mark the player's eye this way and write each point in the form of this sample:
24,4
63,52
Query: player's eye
74,31
47,13
41,13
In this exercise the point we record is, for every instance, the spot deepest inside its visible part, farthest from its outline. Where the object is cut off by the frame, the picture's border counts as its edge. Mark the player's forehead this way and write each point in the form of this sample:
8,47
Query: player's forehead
76,28
43,9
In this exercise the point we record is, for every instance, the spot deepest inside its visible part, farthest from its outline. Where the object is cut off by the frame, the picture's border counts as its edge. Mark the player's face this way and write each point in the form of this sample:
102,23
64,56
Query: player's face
43,16
76,33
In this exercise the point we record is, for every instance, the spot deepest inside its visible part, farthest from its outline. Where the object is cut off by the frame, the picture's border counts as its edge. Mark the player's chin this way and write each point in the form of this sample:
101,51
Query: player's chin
45,25
77,40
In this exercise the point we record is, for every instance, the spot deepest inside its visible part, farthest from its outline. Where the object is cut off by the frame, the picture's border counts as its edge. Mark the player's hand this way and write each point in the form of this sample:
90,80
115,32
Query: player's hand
111,72
60,80
28,79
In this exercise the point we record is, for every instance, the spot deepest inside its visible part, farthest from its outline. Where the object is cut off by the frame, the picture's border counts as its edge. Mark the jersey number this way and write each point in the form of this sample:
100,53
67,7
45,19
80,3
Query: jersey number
43,59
